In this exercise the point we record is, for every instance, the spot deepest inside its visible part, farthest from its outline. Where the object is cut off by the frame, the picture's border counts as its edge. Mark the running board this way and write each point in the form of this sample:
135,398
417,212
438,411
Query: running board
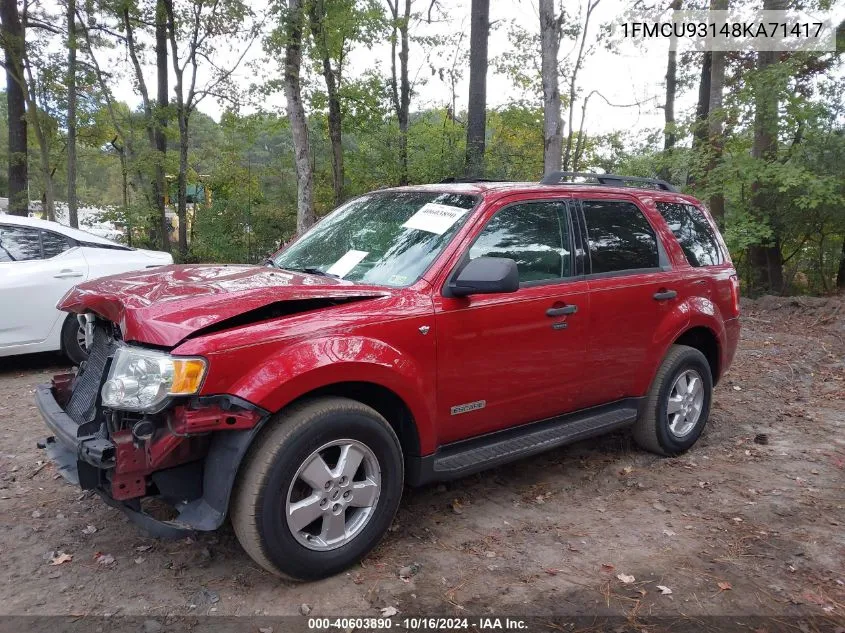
471,456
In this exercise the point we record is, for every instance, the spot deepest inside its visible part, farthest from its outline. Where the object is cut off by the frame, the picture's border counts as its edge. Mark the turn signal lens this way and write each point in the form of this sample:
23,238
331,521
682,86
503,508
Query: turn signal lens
187,376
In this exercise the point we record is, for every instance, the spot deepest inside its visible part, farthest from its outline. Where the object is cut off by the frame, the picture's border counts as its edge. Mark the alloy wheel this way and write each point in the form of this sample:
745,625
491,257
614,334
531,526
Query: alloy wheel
686,400
333,495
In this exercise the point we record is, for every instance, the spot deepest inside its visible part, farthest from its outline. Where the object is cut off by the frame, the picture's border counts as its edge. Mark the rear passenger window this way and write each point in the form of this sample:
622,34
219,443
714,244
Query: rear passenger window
620,237
19,243
693,232
535,235
55,244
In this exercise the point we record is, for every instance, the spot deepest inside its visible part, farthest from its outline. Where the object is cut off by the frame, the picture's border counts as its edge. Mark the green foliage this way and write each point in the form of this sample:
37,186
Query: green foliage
246,162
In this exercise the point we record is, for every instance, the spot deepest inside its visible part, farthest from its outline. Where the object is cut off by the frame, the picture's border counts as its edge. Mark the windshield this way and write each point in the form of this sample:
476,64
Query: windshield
385,239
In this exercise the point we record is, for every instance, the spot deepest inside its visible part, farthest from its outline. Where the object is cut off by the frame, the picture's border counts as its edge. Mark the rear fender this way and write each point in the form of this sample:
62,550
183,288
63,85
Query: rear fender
693,312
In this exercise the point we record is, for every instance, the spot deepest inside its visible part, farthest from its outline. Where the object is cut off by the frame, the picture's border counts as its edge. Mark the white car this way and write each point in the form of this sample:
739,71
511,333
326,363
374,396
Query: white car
39,262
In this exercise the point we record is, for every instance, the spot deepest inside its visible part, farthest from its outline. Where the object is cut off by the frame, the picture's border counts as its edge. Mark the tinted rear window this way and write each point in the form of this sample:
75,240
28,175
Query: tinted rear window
693,232
19,243
620,237
55,244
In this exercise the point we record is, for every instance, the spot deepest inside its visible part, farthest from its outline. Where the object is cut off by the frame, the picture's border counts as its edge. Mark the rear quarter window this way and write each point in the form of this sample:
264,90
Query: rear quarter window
693,232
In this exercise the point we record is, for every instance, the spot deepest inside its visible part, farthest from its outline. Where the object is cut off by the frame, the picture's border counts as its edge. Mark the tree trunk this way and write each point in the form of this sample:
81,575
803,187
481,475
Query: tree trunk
840,275
766,258
671,88
158,223
12,34
73,219
162,101
552,123
294,19
32,111
405,94
702,109
477,105
335,136
332,79
124,189
182,202
573,85
401,85
714,123
182,115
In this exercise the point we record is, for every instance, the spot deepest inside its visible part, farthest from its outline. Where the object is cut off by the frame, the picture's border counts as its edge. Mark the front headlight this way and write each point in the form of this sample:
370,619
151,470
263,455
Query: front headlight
143,379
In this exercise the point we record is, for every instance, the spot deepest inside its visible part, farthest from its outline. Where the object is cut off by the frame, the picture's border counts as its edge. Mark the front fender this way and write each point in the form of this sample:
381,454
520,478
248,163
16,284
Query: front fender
280,374
692,312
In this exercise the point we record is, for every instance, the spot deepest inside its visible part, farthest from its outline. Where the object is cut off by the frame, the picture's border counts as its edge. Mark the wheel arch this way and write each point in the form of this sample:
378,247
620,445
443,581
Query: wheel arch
228,449
384,400
705,341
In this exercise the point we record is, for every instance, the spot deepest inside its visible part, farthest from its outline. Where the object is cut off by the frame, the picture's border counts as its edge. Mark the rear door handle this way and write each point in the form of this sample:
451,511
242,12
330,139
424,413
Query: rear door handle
554,312
67,274
665,295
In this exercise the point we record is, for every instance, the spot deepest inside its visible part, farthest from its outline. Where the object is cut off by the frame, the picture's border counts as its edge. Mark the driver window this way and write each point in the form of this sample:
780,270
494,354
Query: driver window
535,235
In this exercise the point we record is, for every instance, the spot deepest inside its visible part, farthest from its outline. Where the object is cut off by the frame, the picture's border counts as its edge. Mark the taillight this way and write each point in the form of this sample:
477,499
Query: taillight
735,293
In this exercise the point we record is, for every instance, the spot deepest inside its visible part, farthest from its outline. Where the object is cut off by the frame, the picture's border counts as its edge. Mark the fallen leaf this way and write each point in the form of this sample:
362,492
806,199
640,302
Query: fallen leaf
627,470
664,590
659,507
61,558
607,567
104,559
737,388
736,520
143,548
89,529
668,533
389,611
725,586
625,578
265,629
456,507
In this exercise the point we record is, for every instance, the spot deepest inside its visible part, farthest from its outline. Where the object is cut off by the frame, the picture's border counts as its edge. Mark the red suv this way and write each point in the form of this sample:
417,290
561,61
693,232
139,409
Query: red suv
413,335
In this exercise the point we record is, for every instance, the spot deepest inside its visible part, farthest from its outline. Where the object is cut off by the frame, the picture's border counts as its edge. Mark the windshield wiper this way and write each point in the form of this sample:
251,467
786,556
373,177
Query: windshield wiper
311,271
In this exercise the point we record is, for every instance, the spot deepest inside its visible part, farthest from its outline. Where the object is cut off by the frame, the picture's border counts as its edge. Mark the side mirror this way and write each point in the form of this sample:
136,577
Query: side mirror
486,275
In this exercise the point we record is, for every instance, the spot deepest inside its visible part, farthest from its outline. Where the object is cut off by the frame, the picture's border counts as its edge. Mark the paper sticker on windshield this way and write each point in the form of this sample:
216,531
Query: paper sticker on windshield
435,218
346,263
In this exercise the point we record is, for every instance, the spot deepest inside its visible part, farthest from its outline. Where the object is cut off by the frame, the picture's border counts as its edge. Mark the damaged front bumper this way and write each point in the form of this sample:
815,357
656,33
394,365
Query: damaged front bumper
80,459
91,450
117,465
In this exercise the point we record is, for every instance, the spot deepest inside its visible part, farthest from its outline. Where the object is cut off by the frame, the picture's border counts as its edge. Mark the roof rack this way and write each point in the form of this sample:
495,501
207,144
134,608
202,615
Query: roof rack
611,180
453,179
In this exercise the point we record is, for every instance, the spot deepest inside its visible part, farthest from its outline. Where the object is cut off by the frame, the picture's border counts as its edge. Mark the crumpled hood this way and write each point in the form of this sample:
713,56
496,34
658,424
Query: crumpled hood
166,305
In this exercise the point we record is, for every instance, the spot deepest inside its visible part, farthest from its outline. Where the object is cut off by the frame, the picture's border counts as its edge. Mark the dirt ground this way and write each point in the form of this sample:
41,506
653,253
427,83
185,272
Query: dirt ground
736,527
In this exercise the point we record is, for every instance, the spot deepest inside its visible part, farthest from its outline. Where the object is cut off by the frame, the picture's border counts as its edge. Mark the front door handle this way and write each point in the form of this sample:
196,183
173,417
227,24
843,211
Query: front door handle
555,312
665,295
67,274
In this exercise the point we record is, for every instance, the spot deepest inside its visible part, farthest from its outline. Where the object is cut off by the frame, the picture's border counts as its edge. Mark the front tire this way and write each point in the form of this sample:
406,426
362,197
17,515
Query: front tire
318,489
73,340
678,403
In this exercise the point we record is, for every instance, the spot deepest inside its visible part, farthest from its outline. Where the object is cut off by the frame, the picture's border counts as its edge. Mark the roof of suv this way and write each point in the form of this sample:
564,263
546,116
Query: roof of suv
495,189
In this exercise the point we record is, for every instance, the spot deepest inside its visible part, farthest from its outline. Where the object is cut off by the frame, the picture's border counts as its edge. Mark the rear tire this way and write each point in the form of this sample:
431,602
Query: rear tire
294,510
678,403
73,340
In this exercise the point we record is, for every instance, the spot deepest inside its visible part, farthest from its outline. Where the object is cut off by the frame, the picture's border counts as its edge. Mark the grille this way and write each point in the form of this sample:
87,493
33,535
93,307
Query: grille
82,406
